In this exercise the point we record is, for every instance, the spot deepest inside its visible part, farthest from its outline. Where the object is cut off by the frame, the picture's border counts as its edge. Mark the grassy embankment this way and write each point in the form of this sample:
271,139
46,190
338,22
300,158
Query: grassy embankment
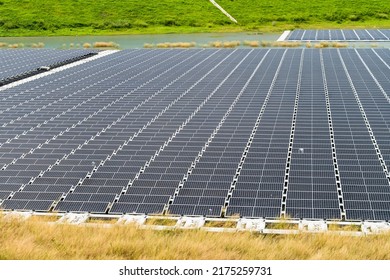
82,17
33,239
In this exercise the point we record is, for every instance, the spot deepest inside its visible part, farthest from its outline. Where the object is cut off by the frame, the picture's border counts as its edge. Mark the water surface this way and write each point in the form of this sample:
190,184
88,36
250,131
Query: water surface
138,41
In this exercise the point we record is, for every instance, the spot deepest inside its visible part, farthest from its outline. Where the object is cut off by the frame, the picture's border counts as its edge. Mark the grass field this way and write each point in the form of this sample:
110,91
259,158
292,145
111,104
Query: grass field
34,239
81,17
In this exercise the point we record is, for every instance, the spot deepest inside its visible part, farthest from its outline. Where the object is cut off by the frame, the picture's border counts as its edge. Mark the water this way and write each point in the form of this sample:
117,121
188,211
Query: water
138,41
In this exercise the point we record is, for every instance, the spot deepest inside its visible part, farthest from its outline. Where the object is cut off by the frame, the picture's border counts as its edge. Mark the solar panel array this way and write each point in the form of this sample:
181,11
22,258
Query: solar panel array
340,35
303,133
17,64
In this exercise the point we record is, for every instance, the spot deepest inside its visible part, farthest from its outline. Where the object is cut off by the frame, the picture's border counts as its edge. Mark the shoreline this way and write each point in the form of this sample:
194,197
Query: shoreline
159,30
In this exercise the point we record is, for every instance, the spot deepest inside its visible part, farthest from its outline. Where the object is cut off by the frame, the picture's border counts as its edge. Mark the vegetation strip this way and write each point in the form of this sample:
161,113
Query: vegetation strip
19,18
37,238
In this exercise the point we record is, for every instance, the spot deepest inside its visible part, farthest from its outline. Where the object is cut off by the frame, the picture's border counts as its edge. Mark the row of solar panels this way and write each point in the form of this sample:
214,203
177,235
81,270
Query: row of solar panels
255,133
17,64
340,35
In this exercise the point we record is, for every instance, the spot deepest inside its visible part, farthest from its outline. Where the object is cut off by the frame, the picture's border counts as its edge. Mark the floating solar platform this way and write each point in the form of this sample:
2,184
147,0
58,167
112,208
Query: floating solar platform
339,35
17,64
255,133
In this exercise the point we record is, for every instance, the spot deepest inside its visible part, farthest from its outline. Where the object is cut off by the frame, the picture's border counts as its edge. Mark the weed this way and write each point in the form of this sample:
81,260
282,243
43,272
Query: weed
252,44
30,239
231,44
39,45
148,46
339,45
265,44
105,45
216,44
226,44
286,44
338,227
221,224
160,222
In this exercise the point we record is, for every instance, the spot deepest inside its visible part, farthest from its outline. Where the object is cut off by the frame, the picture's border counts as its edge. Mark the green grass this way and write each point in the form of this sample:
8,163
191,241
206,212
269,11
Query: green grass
90,17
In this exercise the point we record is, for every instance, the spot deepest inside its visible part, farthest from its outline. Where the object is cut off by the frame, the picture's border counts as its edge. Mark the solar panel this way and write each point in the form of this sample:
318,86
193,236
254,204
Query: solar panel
352,130
301,133
312,146
18,64
340,35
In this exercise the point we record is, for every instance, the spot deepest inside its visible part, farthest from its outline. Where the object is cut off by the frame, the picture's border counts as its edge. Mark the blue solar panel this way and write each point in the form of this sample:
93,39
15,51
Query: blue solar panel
18,64
312,142
248,132
340,35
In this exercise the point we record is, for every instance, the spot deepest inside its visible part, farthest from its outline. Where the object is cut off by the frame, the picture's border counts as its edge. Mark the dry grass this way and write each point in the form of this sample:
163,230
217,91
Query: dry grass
184,45
167,45
87,45
21,45
281,44
252,44
36,240
162,45
221,224
338,227
231,44
16,46
105,45
39,45
226,44
104,221
161,222
148,46
43,219
286,44
324,44
339,45
216,44
282,225
266,44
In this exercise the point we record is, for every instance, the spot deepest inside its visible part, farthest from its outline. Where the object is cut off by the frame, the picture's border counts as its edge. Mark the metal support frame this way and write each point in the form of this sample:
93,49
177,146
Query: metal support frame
255,225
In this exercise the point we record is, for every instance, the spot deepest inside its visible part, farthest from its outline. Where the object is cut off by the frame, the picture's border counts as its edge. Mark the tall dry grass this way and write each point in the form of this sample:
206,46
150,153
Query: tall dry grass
16,46
286,44
39,45
172,45
34,239
21,45
105,45
252,44
148,46
325,44
280,44
225,44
